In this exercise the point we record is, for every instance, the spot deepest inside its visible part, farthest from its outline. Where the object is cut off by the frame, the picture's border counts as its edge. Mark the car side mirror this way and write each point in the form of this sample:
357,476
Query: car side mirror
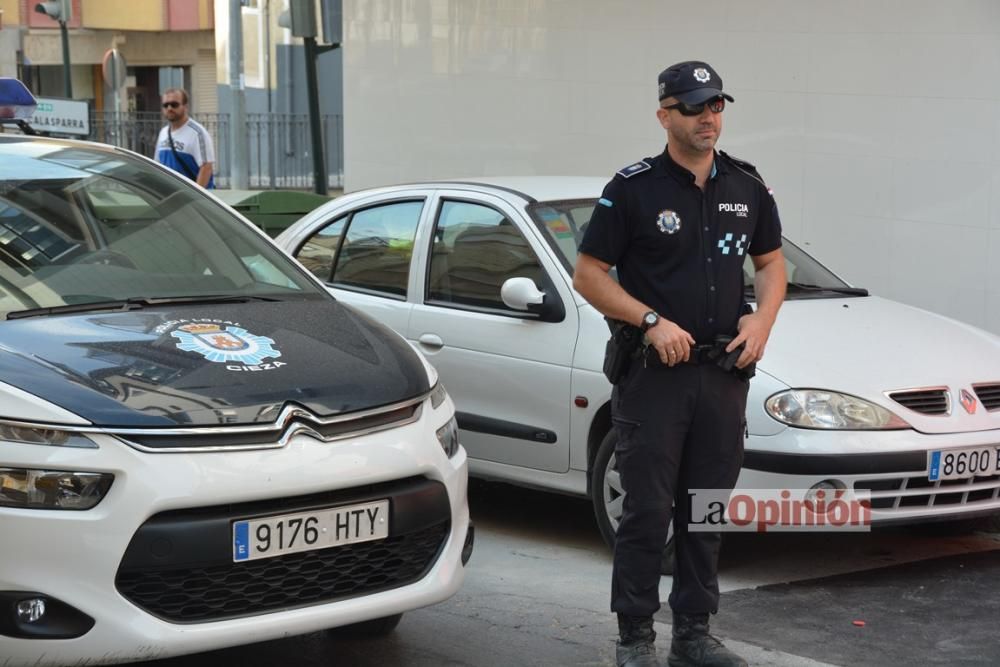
523,294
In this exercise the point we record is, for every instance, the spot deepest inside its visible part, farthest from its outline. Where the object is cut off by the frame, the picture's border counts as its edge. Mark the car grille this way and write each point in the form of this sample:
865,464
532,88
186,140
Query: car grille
192,595
904,493
932,401
270,435
989,395
179,564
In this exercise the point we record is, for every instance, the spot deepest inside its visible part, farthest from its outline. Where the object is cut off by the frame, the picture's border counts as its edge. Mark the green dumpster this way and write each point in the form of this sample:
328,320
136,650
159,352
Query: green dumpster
272,210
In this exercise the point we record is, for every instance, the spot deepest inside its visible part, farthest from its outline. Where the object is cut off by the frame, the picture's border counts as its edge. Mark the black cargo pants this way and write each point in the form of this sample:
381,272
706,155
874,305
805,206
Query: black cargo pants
678,428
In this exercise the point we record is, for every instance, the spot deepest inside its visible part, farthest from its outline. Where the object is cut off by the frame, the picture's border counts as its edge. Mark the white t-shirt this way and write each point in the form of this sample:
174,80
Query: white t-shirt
193,145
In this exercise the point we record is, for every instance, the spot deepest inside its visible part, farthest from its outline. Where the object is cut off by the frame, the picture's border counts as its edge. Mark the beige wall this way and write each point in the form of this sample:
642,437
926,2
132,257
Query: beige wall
9,38
203,89
125,15
260,63
10,12
146,15
222,42
8,52
191,49
253,43
43,47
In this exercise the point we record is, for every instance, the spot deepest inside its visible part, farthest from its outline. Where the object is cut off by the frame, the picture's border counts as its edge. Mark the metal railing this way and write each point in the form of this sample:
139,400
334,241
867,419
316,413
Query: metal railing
278,152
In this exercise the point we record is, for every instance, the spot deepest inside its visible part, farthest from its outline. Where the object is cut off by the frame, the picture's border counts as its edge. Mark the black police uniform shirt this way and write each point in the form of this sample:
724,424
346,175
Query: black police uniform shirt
679,249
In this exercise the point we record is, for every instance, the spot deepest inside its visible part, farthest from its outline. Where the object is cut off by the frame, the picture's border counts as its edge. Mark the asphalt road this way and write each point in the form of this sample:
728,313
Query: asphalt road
536,593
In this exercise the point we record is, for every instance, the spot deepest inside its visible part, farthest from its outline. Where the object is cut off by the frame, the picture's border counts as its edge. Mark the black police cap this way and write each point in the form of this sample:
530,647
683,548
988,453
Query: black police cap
691,82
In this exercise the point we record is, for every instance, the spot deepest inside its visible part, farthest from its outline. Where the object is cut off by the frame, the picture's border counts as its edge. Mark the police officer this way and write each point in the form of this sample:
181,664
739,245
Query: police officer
678,227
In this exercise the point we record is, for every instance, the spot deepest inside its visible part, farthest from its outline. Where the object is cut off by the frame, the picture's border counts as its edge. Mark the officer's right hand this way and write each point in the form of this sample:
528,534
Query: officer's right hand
672,343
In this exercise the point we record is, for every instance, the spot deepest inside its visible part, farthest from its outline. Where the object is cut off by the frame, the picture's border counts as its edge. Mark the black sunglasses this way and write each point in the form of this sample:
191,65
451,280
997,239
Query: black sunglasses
171,105
716,105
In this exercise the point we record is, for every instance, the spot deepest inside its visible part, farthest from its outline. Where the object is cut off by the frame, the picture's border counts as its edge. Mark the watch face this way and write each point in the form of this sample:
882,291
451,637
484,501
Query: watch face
650,319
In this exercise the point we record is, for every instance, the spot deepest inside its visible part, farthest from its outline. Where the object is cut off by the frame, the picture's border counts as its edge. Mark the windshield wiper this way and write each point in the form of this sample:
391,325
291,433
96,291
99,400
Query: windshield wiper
137,303
802,287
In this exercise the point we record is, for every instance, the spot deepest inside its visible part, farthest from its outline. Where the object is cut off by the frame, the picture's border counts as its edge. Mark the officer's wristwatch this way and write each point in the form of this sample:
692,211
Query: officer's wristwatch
649,321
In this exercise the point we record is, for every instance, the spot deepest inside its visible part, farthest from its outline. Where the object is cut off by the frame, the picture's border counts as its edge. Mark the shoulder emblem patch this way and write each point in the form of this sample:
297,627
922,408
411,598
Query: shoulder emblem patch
633,169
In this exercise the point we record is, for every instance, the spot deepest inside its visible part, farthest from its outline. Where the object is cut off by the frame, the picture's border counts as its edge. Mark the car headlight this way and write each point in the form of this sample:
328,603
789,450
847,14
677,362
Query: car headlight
26,488
817,408
34,435
448,437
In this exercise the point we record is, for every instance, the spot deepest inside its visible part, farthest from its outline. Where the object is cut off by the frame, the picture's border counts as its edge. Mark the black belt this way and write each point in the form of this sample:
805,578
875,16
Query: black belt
700,354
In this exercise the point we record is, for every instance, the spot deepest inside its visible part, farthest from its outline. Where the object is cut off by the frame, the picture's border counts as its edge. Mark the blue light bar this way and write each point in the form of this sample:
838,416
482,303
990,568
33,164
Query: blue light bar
16,101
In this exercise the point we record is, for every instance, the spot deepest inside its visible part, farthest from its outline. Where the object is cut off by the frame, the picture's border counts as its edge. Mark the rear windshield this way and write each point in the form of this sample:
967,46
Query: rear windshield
83,224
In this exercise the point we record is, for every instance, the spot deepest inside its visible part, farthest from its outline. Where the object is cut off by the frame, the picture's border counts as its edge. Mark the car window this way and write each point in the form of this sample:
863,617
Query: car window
84,225
563,224
561,228
800,268
475,249
319,252
377,247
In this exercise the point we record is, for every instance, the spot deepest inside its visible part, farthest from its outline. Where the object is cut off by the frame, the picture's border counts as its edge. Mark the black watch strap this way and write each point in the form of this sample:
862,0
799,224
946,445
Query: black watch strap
649,319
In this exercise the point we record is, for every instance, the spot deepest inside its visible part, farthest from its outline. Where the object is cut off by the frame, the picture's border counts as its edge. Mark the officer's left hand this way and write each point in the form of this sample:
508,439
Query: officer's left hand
754,331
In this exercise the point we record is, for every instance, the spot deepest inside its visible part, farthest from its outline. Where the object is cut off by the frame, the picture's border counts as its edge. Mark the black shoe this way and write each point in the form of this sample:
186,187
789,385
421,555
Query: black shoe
635,647
637,654
692,646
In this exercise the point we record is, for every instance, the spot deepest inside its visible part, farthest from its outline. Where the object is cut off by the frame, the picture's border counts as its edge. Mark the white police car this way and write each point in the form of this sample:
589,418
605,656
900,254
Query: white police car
199,447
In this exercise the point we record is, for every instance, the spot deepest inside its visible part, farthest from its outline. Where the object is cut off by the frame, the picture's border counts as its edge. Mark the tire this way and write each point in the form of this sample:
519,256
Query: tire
376,627
608,496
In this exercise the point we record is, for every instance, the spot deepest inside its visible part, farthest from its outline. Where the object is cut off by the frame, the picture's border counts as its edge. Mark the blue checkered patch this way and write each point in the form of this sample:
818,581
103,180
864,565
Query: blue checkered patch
739,246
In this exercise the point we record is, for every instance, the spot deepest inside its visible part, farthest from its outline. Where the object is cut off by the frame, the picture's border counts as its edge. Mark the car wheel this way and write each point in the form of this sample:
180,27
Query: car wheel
377,627
608,496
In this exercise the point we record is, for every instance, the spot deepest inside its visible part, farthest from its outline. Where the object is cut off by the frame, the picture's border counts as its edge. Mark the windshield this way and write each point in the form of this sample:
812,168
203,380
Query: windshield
81,224
564,223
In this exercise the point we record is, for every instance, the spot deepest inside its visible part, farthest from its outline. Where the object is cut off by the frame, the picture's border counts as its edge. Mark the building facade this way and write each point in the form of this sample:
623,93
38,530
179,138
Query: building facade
167,43
185,43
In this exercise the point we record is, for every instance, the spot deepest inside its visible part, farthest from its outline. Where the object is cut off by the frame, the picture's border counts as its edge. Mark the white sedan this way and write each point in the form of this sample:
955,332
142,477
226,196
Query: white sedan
856,393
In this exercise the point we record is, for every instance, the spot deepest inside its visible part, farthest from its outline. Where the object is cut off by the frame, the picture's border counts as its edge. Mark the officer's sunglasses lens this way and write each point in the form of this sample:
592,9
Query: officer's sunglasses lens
716,105
171,105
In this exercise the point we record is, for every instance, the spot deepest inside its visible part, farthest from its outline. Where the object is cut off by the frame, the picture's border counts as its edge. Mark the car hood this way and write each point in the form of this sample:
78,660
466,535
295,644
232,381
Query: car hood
870,346
210,364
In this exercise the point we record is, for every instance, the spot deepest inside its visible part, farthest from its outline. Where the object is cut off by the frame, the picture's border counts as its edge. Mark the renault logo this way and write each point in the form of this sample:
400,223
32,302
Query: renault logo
968,401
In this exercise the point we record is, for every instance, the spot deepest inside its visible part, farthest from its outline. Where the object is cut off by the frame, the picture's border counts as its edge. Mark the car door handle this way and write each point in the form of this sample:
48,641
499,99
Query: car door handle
431,340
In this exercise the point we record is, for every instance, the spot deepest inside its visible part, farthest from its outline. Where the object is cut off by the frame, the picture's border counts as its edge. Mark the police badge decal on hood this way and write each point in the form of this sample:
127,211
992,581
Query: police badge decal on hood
225,344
